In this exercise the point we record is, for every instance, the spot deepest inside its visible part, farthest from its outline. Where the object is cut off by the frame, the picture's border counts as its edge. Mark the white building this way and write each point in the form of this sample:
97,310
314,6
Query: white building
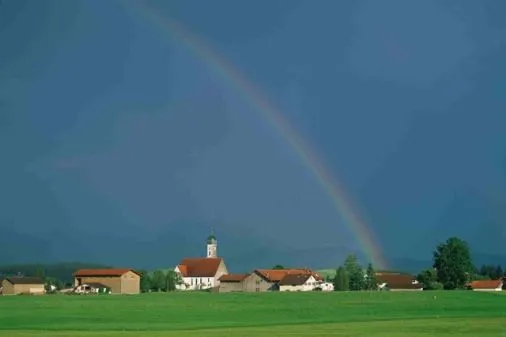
202,272
326,286
298,282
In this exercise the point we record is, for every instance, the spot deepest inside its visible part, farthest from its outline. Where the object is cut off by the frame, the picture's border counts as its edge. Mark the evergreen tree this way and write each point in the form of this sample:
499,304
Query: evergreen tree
498,272
354,272
341,281
371,283
145,281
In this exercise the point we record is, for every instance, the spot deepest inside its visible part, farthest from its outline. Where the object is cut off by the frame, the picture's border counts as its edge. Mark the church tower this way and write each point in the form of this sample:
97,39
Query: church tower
212,246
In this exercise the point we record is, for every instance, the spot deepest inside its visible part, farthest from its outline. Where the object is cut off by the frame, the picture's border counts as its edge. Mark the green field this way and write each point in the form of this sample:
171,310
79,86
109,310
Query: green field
387,314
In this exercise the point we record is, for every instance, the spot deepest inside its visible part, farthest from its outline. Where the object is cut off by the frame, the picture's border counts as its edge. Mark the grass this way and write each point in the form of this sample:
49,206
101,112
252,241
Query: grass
463,313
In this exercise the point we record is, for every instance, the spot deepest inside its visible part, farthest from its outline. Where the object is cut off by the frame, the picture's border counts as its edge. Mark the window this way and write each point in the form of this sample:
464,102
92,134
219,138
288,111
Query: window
257,289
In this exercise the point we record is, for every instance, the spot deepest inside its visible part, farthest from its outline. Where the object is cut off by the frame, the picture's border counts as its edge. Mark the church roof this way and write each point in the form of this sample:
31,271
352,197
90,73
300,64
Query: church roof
199,266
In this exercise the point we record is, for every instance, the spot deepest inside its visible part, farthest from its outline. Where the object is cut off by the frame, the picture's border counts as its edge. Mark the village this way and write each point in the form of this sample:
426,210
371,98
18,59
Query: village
210,273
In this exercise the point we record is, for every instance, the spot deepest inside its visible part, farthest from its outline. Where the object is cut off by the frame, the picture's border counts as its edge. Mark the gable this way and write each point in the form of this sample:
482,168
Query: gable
131,275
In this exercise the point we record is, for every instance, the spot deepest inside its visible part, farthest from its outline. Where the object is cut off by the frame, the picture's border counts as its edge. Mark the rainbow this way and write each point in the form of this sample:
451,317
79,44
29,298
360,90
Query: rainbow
357,226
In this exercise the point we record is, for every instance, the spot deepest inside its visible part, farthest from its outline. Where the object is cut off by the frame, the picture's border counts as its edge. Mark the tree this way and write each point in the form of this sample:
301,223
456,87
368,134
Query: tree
452,260
145,281
278,266
498,272
371,283
158,280
428,278
341,281
40,272
488,271
172,279
355,273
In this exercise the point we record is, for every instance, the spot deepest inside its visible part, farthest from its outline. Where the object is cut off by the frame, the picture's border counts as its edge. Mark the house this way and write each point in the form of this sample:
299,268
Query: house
199,273
487,285
268,279
231,282
92,288
298,282
23,285
397,282
119,281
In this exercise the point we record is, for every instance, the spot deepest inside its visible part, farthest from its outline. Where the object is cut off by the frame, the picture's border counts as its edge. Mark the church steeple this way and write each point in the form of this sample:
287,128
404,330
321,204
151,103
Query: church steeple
212,246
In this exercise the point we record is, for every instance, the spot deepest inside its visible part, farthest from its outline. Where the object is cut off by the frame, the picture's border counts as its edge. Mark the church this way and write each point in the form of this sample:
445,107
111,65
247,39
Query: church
199,273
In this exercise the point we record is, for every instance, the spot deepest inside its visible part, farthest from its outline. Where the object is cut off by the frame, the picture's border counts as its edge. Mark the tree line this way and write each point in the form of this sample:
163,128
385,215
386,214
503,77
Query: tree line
159,281
452,268
57,274
352,277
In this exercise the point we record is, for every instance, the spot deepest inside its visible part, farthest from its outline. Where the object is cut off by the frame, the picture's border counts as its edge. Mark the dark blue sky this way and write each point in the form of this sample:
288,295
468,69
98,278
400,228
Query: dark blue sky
112,132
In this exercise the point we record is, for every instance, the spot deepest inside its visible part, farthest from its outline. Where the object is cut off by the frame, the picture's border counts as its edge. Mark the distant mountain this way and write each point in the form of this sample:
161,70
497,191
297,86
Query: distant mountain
166,249
60,271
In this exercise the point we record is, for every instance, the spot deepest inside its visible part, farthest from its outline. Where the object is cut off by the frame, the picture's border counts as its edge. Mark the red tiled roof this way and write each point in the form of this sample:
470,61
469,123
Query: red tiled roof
183,269
294,279
276,275
486,284
200,266
233,277
394,278
102,272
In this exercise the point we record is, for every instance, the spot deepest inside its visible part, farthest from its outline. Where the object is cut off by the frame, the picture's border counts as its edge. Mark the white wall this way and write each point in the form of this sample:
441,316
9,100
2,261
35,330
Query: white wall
309,285
200,283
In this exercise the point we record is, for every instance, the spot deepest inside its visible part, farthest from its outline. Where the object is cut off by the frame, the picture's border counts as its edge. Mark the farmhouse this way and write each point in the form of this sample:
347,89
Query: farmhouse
487,285
119,281
22,285
397,282
231,282
269,279
200,273
298,282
